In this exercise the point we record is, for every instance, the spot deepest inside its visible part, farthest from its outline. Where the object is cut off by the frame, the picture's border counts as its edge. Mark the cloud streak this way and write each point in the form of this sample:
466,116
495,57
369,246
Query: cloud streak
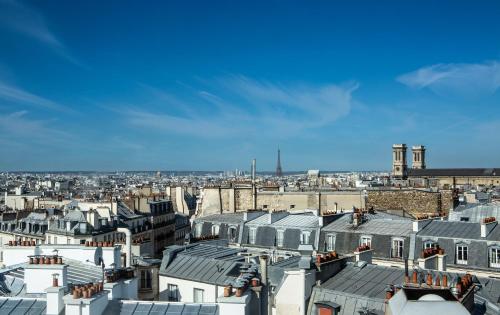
25,20
240,106
17,95
17,126
458,78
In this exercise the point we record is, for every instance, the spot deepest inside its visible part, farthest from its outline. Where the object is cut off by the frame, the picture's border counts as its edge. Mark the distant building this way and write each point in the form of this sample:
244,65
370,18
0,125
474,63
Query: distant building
444,177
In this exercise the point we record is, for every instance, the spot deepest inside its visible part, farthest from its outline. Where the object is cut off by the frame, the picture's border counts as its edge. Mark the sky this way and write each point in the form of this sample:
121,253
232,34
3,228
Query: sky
210,85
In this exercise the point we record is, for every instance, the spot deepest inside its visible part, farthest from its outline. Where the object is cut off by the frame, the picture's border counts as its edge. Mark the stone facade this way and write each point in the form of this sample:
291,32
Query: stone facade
413,201
236,199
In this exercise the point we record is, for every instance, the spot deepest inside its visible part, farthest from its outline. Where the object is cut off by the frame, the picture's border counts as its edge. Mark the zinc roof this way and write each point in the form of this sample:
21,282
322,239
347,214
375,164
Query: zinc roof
375,224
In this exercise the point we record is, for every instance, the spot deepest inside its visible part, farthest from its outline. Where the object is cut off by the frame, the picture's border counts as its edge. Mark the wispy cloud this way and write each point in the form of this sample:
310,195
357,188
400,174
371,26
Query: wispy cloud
18,126
461,78
27,21
18,95
240,106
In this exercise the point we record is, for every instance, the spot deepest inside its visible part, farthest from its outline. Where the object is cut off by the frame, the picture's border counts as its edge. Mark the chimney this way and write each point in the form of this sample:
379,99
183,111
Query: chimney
37,277
94,301
363,255
128,245
55,303
420,222
433,259
441,262
487,225
263,269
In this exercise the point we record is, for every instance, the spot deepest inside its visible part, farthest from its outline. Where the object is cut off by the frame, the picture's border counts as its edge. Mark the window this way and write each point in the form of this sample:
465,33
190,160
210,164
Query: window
495,257
173,293
397,248
429,244
366,240
146,278
198,229
198,295
215,230
304,237
68,241
232,234
280,234
330,242
252,235
264,206
48,240
292,206
462,253
55,240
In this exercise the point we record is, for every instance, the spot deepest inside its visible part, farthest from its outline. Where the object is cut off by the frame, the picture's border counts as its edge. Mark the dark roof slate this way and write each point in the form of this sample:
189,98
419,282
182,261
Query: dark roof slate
450,172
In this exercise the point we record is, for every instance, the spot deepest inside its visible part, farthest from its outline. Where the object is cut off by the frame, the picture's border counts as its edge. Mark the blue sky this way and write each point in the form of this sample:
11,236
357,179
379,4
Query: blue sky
209,85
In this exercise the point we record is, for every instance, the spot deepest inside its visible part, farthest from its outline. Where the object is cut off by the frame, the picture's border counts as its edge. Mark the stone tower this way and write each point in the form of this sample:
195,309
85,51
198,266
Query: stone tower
418,156
399,164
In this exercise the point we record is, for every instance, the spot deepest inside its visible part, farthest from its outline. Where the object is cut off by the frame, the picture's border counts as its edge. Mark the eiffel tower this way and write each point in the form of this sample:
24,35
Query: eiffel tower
279,171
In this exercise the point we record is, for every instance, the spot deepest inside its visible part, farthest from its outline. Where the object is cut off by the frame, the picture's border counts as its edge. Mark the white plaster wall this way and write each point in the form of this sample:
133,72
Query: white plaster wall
39,277
293,293
233,308
111,255
186,289
97,306
73,309
13,255
55,302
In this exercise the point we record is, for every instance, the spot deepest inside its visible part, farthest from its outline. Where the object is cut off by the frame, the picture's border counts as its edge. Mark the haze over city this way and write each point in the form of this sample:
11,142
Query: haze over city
211,85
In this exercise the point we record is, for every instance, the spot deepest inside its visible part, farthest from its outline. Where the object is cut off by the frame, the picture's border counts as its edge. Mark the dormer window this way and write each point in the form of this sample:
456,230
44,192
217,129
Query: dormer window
494,257
232,234
330,242
430,244
304,237
198,229
215,230
252,235
366,240
397,248
462,254
280,236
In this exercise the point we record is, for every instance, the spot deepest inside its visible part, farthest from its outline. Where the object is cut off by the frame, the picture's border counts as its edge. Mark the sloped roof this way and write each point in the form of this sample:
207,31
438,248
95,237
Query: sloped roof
75,216
200,269
160,308
22,306
303,220
379,224
202,263
223,218
78,272
457,229
362,287
450,172
475,213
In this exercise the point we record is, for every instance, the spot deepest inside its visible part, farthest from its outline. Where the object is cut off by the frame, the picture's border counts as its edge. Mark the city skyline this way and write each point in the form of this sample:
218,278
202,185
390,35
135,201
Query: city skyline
198,86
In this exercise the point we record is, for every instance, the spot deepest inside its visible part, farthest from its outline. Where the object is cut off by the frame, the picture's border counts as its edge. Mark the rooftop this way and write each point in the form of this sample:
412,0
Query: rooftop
379,223
457,229
476,172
